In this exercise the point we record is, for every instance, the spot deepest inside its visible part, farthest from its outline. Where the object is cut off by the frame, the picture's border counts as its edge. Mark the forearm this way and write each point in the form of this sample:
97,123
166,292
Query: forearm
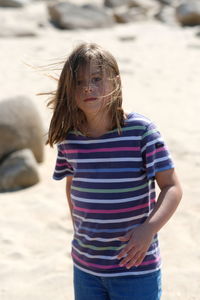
165,207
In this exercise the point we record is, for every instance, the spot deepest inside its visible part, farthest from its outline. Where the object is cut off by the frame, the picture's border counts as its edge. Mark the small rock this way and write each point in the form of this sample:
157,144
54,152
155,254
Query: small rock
18,170
149,7
127,38
14,3
166,2
167,15
126,15
188,14
116,3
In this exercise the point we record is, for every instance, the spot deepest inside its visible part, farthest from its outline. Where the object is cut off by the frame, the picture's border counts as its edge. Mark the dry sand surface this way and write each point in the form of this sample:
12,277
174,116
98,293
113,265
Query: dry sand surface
160,70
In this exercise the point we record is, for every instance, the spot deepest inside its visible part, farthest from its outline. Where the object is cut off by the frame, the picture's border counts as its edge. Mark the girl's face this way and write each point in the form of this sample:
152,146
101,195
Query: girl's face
93,89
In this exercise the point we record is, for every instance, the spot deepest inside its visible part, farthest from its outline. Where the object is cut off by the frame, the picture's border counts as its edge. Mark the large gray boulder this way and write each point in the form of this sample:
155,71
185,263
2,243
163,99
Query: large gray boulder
18,170
14,3
20,127
66,15
188,13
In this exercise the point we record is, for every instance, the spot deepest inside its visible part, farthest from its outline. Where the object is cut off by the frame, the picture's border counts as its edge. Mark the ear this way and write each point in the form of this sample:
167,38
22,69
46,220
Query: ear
117,78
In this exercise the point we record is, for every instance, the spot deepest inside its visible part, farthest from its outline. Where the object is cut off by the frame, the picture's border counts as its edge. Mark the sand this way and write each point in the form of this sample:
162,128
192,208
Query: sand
160,70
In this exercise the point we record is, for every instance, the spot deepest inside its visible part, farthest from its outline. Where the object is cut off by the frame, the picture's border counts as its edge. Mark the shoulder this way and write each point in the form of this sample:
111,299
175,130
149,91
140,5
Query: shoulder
133,118
70,137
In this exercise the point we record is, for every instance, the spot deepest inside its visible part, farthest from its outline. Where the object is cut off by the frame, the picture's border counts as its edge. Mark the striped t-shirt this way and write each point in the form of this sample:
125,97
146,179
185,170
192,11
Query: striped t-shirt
113,191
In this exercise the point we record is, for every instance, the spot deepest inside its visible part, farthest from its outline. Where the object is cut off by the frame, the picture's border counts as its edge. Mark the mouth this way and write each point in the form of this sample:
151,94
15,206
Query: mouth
90,99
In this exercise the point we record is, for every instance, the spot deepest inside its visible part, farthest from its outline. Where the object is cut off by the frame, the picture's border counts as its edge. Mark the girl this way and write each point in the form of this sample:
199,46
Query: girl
111,161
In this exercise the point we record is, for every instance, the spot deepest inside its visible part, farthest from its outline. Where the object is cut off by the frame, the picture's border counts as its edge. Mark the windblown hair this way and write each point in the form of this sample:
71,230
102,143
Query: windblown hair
66,115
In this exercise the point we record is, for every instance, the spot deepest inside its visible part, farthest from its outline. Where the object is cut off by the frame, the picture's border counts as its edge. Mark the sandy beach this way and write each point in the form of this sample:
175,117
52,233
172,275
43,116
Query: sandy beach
160,70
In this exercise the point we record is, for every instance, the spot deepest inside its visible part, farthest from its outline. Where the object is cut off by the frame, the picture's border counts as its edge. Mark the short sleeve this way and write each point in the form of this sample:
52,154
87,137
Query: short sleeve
62,167
155,154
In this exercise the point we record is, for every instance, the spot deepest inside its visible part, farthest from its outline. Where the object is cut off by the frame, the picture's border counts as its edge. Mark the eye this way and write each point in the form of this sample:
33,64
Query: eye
96,79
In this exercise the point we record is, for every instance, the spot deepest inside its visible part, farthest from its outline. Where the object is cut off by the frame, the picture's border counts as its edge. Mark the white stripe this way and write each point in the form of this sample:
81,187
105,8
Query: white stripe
145,121
117,274
107,257
151,143
110,201
157,160
125,138
62,158
95,160
109,240
61,171
109,180
96,238
99,221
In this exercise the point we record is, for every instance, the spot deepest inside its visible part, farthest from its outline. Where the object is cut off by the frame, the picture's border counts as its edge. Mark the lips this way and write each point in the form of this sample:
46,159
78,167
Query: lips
90,99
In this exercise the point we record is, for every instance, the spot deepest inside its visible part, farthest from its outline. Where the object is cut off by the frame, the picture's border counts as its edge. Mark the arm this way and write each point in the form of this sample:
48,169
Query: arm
68,193
140,238
169,197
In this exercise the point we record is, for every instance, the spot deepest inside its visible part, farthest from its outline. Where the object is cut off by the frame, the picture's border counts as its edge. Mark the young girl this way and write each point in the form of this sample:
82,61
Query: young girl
111,161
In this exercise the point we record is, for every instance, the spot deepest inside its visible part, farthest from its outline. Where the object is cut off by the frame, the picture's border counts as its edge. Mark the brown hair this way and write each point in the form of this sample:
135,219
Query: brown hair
66,115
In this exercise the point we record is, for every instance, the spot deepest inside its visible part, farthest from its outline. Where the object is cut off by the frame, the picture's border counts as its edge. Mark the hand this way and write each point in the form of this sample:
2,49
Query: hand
139,240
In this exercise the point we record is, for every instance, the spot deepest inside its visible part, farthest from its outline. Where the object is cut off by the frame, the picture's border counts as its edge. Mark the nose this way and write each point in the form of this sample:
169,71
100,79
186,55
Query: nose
88,89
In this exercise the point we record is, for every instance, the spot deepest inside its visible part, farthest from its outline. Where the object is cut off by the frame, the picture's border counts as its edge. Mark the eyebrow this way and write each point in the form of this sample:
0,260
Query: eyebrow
94,73
98,72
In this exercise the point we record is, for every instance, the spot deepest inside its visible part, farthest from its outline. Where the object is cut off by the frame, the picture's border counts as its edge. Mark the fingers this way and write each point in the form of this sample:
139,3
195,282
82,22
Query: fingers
130,259
140,259
126,249
136,261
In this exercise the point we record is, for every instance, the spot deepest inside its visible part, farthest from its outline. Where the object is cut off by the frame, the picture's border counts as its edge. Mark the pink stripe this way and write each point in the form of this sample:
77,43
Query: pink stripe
149,262
156,151
108,211
61,165
94,265
102,150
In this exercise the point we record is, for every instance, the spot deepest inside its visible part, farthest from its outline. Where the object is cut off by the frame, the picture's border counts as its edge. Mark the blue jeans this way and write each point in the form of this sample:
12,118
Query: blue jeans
91,287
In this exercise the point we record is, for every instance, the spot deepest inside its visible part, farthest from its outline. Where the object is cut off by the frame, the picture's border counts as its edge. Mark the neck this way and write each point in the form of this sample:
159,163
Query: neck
98,124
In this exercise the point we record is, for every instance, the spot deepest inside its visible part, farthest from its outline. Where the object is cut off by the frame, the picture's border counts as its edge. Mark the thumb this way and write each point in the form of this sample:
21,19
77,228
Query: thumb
125,237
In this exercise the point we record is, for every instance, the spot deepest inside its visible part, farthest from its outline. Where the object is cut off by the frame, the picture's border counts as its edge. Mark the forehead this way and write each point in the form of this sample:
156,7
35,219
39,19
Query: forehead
90,68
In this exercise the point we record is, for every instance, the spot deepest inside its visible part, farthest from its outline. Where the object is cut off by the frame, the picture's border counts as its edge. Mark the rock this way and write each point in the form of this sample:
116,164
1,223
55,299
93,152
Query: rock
149,7
69,16
116,3
14,3
18,170
136,10
166,15
24,22
145,4
188,14
167,2
20,127
17,31
127,38
130,3
126,15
